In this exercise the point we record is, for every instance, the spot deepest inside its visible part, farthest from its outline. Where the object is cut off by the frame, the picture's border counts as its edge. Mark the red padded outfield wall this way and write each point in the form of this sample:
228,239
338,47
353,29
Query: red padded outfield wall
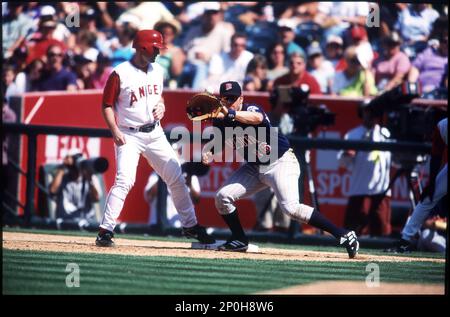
83,109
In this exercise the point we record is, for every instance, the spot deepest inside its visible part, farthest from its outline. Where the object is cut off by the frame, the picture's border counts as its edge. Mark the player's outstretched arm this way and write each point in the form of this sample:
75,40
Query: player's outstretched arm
247,117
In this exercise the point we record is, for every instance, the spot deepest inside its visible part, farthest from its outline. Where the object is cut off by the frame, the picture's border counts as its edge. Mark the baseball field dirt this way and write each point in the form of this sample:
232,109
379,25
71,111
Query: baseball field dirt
295,271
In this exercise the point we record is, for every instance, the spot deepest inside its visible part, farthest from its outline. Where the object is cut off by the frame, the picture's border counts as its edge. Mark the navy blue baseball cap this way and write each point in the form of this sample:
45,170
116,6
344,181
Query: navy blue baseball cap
230,89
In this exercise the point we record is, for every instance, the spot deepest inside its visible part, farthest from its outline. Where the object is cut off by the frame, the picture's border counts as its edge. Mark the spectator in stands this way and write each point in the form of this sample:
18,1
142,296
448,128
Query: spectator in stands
55,76
430,66
393,65
102,72
360,40
122,49
321,69
298,75
276,58
256,75
354,81
145,15
334,51
39,42
229,66
368,209
83,72
76,190
9,81
201,42
85,45
173,58
286,29
15,28
61,32
415,22
337,17
30,77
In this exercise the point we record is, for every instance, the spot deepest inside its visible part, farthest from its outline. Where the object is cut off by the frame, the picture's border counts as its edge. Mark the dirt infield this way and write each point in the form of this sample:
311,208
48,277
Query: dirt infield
55,243
358,288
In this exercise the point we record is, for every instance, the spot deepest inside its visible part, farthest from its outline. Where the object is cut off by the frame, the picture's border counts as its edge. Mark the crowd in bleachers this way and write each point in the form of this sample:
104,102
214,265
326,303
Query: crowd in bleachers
327,45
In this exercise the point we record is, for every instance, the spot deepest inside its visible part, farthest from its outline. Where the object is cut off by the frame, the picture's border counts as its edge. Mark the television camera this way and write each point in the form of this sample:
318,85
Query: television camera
306,117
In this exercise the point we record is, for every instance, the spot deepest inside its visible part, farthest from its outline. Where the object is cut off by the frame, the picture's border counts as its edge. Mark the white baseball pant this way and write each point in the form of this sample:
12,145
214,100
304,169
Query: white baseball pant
422,210
155,147
282,176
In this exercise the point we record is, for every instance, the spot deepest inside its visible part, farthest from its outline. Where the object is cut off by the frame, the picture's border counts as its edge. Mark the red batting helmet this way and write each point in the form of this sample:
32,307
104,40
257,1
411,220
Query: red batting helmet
148,38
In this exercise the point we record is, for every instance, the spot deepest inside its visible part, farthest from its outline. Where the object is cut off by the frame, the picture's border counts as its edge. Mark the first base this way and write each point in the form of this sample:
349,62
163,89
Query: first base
252,248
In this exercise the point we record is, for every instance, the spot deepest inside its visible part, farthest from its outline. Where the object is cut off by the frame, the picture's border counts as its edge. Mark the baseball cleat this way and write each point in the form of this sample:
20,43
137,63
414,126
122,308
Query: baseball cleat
198,232
402,246
104,239
350,242
233,245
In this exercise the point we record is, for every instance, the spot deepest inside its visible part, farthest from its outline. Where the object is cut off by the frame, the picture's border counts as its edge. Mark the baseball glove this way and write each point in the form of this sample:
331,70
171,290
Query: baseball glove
203,106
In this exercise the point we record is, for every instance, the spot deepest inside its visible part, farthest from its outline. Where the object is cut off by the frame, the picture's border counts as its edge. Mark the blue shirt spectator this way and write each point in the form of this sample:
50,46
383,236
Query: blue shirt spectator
56,77
415,22
15,28
58,80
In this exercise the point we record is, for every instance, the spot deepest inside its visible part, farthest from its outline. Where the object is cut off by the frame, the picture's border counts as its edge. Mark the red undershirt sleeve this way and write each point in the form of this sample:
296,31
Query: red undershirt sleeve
111,90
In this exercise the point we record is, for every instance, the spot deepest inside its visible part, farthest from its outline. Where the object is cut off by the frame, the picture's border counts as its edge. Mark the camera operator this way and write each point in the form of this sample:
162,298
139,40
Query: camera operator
76,189
368,209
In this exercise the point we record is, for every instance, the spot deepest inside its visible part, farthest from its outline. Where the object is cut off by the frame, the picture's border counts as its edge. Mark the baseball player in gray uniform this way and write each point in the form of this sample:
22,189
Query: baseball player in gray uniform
281,173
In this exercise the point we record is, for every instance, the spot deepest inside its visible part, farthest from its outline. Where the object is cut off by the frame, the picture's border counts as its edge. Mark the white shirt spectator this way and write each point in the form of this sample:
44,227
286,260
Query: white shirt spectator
414,26
370,170
344,9
223,68
324,75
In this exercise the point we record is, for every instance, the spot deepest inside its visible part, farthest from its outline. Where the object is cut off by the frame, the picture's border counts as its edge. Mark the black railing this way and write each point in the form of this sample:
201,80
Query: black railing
32,131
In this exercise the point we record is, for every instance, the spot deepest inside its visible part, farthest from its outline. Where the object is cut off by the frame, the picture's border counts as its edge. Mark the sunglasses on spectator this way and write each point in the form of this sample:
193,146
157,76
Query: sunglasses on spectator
52,54
239,44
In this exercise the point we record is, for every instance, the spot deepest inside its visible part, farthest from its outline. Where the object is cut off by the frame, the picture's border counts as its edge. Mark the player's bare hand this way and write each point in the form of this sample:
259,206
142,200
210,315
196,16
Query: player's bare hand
220,115
119,138
207,158
158,112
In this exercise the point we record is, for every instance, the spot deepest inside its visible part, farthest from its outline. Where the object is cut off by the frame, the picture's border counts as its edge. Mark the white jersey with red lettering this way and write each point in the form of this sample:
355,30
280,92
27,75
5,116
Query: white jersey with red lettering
139,93
134,94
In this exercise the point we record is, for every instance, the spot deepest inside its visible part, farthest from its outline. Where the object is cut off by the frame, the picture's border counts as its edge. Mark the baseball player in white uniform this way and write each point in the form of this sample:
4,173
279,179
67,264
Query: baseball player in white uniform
432,193
281,173
133,107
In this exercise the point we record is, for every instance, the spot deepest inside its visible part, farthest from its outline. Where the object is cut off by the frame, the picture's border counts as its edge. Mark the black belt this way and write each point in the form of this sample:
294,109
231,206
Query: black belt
145,128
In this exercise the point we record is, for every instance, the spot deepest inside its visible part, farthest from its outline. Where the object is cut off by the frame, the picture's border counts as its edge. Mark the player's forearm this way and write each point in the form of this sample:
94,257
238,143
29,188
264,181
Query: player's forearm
248,117
57,180
108,115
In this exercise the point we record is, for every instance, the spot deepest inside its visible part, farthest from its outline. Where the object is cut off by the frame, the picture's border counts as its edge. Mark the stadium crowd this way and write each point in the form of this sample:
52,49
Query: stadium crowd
327,45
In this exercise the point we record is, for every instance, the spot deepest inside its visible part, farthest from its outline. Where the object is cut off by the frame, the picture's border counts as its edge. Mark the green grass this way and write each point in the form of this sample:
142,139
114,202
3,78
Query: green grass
260,244
26,272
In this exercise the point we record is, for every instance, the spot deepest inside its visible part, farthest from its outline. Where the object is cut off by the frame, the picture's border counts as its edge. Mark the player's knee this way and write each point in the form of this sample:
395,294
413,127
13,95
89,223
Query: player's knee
224,202
297,211
124,183
172,175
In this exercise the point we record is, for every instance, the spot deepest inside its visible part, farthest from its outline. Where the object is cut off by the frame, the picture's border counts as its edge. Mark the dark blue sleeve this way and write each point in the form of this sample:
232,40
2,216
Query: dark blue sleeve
255,108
